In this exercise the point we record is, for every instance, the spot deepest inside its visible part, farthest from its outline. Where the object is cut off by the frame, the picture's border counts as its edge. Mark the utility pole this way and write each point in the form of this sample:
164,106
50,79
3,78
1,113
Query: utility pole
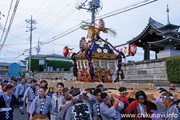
31,28
93,6
93,15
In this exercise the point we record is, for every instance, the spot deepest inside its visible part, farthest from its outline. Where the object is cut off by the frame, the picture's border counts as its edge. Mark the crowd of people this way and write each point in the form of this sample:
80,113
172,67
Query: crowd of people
63,103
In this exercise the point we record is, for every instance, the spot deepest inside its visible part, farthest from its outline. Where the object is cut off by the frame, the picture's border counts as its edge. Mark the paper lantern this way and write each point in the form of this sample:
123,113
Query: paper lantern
65,51
133,50
83,43
101,25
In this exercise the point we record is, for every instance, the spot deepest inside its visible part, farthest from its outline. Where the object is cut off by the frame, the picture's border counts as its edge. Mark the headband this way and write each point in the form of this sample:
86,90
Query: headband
123,91
77,96
167,97
100,87
66,93
141,97
105,98
5,88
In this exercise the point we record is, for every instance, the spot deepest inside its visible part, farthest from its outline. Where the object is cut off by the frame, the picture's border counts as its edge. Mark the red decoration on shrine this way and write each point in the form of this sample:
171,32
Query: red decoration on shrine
83,43
101,25
65,51
133,50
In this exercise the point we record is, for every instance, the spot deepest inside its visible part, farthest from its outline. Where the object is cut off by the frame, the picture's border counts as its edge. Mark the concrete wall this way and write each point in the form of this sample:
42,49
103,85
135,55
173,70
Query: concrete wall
67,75
152,71
168,53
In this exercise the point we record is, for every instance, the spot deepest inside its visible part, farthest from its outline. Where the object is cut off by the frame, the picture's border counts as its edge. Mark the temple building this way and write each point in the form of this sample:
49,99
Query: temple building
164,40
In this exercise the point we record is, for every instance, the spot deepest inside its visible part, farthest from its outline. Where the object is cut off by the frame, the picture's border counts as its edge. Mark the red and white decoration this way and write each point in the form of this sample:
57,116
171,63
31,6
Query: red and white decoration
101,25
65,51
83,43
133,50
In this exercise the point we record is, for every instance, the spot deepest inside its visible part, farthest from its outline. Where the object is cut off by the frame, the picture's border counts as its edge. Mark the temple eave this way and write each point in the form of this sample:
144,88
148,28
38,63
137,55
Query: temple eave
168,26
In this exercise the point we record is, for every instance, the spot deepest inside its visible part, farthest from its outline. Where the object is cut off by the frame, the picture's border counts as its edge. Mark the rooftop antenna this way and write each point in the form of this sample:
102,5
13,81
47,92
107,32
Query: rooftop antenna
167,14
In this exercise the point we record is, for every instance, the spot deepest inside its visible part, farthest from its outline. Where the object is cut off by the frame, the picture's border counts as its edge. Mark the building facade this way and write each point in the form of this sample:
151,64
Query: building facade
4,68
16,69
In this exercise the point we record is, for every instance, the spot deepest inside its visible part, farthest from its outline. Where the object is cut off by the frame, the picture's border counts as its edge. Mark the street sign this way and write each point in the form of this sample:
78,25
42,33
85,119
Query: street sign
41,62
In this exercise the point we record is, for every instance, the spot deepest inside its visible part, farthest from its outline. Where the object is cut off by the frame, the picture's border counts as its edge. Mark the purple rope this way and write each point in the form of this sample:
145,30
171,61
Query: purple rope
120,55
109,44
88,56
75,70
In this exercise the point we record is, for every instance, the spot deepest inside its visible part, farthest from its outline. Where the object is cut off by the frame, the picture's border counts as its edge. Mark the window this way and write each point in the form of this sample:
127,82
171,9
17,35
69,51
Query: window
1,73
3,68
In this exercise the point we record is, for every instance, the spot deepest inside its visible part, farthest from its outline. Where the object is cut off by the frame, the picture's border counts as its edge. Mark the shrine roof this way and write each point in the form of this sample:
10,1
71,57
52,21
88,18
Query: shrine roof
151,27
169,40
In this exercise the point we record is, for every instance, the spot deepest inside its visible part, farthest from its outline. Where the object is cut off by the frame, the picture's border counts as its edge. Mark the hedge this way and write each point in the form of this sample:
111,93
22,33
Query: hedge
52,63
173,69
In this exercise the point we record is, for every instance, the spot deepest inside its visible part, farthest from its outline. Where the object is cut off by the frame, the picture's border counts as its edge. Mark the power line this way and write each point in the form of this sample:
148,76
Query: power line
112,14
57,15
69,31
61,36
50,7
19,44
59,21
41,7
103,16
10,23
146,2
6,20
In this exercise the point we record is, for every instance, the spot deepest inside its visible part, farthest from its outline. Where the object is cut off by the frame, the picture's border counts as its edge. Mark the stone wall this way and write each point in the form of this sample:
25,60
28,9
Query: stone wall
67,75
151,71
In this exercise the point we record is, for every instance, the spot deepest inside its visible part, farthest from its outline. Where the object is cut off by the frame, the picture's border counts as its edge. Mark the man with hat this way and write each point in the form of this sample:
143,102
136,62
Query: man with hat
7,101
79,110
173,111
124,96
67,95
30,94
110,109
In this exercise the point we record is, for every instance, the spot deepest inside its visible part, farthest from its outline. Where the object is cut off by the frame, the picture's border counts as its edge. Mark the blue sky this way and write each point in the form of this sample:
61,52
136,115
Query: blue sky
53,17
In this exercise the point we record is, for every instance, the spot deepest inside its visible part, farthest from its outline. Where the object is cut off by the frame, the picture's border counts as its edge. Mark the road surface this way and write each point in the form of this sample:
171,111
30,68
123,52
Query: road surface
18,116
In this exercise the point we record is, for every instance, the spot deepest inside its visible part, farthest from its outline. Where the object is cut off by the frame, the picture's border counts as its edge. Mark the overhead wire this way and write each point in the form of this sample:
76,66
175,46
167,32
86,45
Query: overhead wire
137,5
105,16
60,36
6,21
10,23
112,14
50,7
50,19
67,32
40,7
59,21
